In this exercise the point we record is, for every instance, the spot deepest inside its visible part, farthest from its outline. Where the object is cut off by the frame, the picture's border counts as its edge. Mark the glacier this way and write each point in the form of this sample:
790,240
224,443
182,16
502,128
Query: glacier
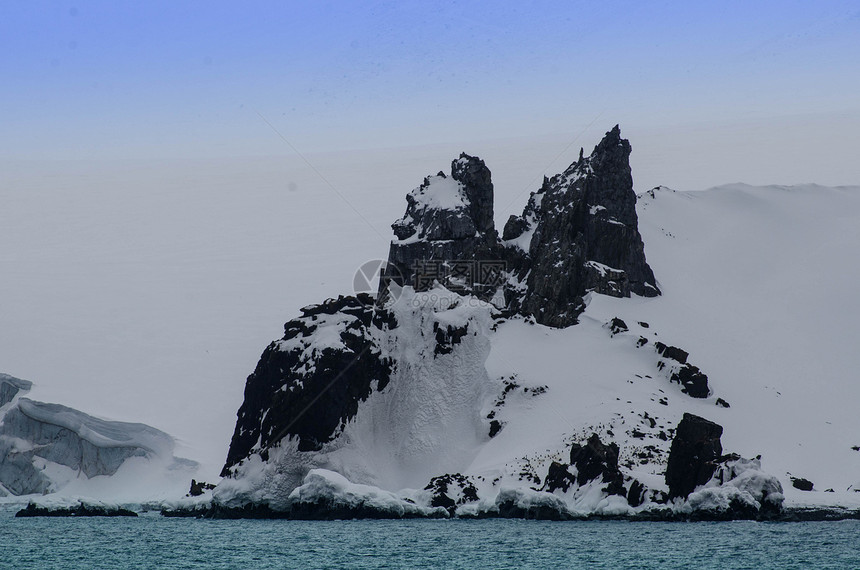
47,448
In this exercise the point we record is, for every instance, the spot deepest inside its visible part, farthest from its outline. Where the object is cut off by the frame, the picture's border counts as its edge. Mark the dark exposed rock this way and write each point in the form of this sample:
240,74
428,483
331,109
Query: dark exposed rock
495,427
801,483
593,460
447,234
451,490
81,510
672,352
584,237
644,325
514,228
693,456
722,403
199,487
558,477
446,338
636,494
616,325
693,381
291,396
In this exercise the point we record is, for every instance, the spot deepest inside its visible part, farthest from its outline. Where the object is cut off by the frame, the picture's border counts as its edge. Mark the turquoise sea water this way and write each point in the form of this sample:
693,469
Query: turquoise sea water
150,541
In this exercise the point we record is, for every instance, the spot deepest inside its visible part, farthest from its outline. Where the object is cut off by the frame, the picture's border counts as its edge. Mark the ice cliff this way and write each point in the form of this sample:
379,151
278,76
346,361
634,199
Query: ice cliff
45,446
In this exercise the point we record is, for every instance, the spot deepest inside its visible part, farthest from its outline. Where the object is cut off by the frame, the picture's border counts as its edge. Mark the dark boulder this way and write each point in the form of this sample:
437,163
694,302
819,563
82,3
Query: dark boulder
672,352
450,490
593,460
693,456
199,487
693,381
636,494
495,427
558,478
616,325
802,484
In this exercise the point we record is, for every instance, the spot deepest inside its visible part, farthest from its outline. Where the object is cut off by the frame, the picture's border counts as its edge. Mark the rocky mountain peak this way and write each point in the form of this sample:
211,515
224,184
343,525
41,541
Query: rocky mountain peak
473,174
447,233
579,233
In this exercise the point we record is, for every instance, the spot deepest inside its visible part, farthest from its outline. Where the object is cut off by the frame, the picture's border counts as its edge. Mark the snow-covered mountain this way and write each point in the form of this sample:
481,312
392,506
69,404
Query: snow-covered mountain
542,372
756,283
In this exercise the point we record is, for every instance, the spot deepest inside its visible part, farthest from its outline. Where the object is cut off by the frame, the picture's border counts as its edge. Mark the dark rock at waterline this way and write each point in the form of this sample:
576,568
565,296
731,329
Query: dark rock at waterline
81,510
693,455
450,490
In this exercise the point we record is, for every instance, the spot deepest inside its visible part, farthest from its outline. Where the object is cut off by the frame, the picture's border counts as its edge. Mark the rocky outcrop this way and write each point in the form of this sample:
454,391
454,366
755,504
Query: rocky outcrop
308,384
802,484
451,490
80,510
693,381
558,478
716,486
693,456
595,459
579,233
447,234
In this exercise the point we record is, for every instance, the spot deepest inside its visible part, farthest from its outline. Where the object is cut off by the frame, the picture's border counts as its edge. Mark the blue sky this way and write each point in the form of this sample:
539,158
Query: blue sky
173,79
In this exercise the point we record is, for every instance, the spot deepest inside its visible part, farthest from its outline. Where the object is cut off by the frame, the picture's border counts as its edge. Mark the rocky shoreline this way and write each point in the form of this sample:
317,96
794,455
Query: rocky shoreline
788,515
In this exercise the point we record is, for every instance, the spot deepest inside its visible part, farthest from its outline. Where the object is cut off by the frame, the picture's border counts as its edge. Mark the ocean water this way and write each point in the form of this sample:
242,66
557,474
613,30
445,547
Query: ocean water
150,541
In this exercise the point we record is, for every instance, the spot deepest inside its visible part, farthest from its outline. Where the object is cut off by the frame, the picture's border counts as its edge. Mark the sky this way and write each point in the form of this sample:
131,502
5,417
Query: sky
178,178
764,85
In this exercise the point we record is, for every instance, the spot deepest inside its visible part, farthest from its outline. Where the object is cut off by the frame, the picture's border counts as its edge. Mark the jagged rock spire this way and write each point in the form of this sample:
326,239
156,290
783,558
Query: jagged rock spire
579,233
447,232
